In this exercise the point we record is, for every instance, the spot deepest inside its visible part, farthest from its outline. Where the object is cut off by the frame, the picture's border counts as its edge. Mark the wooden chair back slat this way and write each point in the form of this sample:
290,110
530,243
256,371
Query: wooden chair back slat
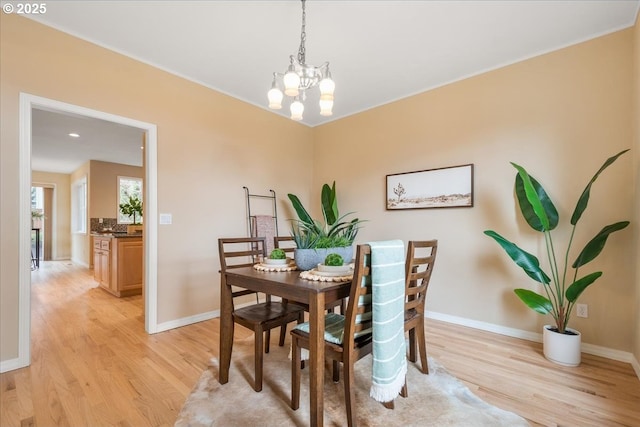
239,252
359,310
420,260
286,243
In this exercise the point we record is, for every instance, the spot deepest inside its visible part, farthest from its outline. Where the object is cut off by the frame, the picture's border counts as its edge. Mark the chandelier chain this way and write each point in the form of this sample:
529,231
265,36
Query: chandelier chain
303,36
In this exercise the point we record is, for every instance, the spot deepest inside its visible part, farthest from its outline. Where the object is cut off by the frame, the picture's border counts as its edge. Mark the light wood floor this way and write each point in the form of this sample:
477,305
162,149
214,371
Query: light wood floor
93,365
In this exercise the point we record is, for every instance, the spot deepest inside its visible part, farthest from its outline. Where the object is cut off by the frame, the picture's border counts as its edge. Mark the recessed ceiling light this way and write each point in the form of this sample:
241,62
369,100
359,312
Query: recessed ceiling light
74,135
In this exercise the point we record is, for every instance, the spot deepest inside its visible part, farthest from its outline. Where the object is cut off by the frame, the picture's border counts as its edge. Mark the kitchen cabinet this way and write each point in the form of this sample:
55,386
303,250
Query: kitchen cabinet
118,264
102,261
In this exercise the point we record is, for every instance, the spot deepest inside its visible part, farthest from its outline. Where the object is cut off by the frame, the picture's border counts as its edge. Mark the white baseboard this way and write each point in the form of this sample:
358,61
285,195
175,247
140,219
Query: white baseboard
178,323
79,262
636,366
12,364
609,353
596,350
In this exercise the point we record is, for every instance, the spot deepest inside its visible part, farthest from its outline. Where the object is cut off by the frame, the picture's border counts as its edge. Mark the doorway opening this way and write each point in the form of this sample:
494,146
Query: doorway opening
28,103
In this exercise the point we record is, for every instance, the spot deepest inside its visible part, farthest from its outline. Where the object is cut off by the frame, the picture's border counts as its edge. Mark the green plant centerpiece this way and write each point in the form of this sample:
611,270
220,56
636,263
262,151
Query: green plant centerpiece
334,260
316,239
561,289
277,254
277,257
132,207
333,265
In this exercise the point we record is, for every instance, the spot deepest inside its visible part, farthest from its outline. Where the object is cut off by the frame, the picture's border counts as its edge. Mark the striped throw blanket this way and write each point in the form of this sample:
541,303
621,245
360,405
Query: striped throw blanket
389,353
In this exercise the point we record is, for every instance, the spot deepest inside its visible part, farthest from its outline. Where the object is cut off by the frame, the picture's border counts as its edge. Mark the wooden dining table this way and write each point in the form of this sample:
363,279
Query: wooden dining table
290,286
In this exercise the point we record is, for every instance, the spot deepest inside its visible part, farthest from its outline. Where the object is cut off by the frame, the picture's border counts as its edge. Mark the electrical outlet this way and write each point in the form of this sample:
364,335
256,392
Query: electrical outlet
582,310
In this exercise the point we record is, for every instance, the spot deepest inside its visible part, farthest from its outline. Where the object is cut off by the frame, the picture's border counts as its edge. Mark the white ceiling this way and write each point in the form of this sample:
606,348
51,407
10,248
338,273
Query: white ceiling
379,51
53,150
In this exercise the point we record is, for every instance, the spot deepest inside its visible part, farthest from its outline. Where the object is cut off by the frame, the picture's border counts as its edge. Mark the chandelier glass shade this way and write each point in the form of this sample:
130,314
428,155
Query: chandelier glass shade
299,78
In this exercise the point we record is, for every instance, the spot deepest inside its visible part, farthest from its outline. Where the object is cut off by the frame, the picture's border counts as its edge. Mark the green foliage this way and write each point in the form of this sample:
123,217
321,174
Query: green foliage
541,215
334,232
277,254
334,260
132,207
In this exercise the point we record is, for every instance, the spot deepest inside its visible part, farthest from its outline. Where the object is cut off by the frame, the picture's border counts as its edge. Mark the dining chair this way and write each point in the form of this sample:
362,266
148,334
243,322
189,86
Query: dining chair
421,257
260,317
288,245
348,338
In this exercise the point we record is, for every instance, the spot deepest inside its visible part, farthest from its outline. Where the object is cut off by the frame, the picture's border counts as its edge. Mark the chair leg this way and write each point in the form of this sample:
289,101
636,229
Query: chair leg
336,371
349,394
257,385
295,374
412,345
422,346
404,392
267,340
283,331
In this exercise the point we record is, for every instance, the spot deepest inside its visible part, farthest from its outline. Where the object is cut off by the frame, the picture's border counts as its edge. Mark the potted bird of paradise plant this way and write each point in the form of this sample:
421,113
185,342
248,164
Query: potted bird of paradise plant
561,290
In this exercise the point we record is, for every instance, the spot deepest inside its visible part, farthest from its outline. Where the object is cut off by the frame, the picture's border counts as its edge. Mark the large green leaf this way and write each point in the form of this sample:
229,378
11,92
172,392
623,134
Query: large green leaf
329,203
527,209
584,198
535,301
576,288
304,216
523,259
595,245
532,197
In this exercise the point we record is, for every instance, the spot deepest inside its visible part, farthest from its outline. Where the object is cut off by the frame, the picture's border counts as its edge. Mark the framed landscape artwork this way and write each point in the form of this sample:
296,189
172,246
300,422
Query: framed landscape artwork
449,187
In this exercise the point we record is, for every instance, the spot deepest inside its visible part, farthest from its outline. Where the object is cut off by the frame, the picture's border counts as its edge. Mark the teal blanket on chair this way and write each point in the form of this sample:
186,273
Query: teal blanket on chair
389,353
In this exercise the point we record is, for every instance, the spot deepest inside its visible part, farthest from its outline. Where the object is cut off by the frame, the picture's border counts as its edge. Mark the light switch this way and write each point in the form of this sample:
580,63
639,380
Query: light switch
165,218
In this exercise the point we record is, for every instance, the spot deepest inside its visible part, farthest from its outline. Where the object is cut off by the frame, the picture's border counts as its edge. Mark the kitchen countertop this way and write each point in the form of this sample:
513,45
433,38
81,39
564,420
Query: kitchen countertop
116,234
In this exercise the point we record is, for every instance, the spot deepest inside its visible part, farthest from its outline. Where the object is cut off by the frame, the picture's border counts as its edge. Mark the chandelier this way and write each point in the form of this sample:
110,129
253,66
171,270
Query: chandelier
300,77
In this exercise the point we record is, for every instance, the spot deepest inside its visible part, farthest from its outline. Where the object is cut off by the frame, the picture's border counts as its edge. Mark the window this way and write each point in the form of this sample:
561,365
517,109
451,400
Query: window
79,205
128,186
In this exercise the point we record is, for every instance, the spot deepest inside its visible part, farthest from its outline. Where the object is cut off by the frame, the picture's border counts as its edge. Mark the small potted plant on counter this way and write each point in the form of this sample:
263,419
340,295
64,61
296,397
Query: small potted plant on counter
130,208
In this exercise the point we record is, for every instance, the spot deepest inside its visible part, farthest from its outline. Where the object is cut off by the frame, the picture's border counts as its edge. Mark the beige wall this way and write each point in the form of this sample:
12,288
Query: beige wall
209,146
61,221
104,187
636,127
560,115
102,197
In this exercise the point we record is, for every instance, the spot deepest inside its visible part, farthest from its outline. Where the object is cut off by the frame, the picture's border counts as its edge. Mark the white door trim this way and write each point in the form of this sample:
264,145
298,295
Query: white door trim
27,103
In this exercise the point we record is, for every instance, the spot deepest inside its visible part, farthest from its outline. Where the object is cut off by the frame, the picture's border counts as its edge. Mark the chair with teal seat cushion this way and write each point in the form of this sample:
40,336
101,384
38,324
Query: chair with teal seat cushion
348,338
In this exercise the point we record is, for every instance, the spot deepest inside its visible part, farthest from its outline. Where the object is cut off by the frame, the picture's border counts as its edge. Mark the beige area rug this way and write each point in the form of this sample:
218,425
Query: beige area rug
437,399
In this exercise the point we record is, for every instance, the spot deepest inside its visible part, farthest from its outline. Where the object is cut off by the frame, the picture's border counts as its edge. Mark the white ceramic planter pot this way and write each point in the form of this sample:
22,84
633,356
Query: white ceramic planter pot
563,349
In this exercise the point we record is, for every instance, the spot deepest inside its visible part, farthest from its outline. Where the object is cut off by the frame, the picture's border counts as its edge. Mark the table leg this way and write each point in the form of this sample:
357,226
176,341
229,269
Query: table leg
226,330
316,359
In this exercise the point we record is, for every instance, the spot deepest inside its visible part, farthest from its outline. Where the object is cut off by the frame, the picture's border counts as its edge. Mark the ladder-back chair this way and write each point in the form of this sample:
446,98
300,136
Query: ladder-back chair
421,256
260,317
347,338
